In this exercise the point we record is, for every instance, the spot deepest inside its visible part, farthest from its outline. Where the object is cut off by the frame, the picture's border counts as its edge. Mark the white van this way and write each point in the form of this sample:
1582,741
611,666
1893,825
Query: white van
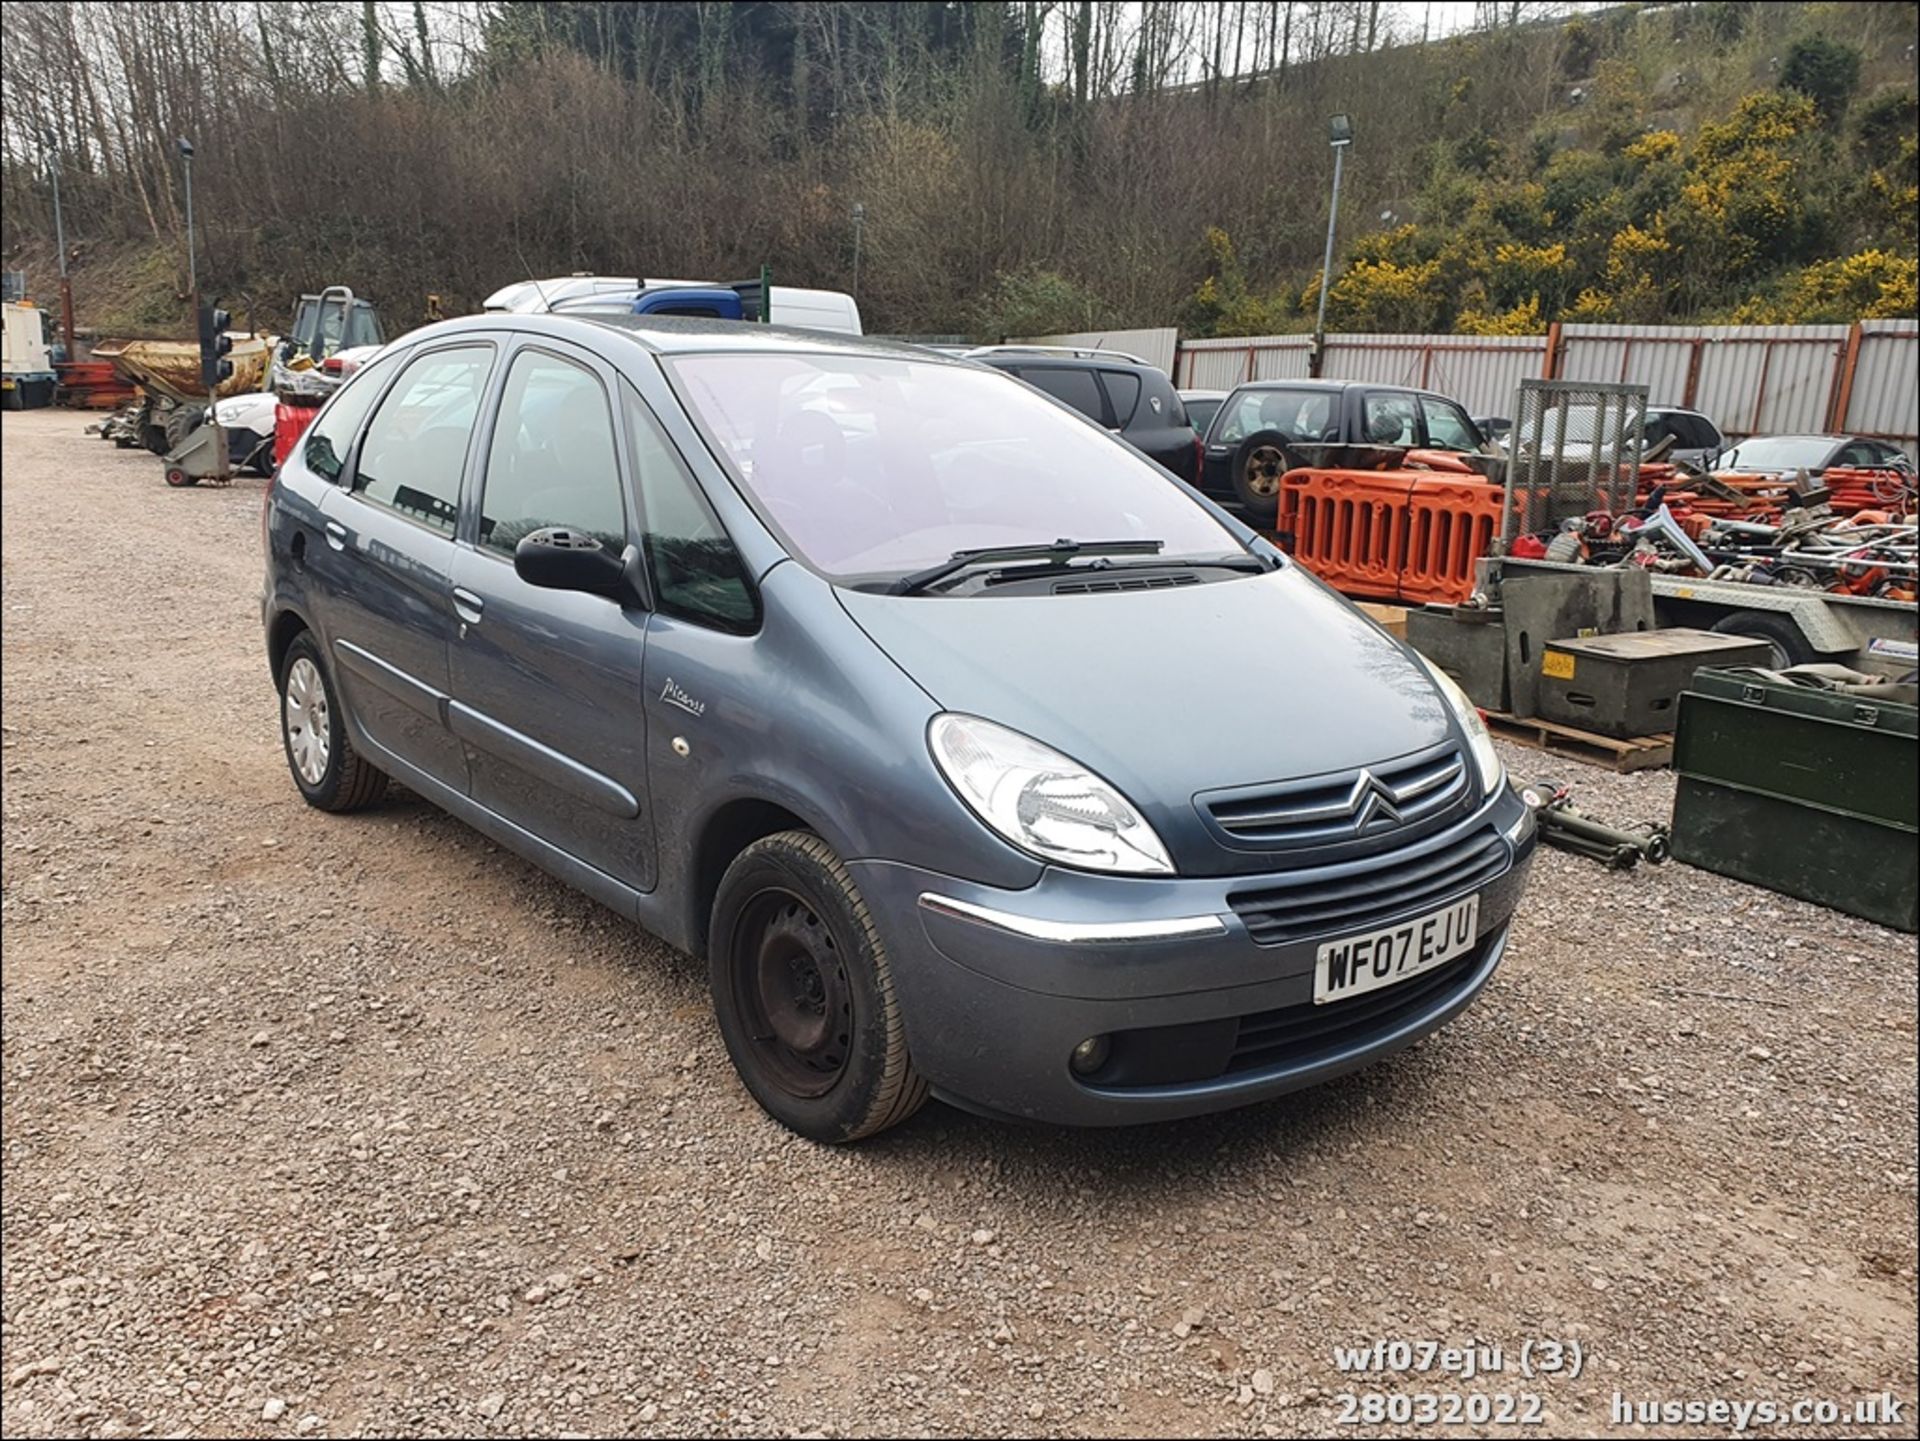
829,310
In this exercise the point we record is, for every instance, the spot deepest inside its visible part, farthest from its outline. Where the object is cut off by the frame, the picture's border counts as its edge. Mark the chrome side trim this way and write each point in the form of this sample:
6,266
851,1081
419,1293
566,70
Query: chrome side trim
1083,933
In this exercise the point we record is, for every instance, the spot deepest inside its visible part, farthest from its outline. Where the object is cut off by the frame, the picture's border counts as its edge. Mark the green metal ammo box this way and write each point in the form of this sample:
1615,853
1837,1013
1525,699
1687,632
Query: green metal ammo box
1811,793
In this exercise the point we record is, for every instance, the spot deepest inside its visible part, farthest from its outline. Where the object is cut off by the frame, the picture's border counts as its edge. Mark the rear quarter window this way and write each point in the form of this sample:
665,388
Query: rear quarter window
1123,389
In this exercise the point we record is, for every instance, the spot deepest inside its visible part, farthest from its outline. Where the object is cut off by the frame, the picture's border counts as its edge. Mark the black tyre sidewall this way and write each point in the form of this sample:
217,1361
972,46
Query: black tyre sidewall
843,1112
1771,627
1263,508
326,795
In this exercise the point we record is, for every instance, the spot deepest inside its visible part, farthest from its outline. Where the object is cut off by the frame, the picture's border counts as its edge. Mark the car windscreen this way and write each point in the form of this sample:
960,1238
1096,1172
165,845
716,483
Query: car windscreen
1779,452
870,466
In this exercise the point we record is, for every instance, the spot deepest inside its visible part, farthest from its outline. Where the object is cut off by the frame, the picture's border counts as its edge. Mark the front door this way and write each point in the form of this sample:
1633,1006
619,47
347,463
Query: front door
390,551
547,683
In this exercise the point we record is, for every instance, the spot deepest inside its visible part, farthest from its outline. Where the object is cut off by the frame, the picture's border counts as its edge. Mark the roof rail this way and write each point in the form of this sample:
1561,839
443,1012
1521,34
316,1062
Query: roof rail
1078,352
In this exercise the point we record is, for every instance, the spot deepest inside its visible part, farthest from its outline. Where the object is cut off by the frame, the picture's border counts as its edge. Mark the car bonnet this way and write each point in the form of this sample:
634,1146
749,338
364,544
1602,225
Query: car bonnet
1168,693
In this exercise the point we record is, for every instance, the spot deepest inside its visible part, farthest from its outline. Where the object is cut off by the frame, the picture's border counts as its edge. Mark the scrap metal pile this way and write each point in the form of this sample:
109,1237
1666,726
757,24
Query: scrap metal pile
1849,532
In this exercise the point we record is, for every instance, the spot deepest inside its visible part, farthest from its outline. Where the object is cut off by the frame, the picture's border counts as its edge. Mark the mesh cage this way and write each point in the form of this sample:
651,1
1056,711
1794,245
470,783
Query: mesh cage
13,285
1574,448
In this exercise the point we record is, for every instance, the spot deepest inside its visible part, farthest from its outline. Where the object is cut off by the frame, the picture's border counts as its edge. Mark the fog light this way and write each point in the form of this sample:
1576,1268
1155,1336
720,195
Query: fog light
1090,1055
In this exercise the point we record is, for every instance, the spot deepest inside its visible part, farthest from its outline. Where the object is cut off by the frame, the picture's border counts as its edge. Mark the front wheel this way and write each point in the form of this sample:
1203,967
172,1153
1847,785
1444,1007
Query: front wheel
804,993
331,774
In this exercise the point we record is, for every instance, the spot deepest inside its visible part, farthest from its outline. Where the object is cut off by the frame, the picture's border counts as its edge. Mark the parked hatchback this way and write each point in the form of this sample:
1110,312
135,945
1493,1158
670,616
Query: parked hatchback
1129,396
922,708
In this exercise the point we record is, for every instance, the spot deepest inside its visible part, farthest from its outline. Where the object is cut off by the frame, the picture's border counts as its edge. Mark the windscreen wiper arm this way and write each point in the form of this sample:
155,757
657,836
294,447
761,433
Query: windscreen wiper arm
1059,552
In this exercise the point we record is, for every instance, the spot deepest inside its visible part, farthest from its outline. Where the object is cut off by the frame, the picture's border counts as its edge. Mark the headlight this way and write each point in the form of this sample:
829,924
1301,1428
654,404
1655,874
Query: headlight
1043,802
1478,741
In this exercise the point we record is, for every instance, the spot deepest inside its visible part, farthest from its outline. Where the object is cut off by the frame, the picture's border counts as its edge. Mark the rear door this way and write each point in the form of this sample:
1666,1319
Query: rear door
547,683
389,536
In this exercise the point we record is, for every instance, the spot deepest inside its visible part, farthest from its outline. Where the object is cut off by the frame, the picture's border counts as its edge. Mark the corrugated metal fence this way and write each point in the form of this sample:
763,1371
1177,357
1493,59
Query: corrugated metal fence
1752,379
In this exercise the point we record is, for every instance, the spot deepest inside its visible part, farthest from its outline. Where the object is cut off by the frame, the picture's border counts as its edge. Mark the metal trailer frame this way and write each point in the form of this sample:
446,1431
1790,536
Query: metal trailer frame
1866,632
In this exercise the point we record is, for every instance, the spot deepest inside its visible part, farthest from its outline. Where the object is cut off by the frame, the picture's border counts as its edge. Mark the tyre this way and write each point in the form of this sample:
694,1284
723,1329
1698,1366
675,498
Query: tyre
330,773
1777,630
180,424
1258,463
804,993
154,437
178,477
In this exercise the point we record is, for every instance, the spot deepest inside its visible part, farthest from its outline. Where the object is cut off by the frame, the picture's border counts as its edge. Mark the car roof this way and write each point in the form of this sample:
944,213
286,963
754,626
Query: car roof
1335,387
1804,435
681,334
1042,359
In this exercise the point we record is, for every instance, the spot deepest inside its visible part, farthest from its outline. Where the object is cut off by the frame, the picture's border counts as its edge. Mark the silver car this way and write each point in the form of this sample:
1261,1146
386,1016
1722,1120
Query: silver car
978,757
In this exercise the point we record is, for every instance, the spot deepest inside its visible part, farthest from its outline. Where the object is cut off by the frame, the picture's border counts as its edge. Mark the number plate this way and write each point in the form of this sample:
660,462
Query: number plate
1365,963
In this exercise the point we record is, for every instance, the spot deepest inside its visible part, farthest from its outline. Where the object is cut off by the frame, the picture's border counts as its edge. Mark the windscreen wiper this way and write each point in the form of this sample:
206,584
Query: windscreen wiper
1060,552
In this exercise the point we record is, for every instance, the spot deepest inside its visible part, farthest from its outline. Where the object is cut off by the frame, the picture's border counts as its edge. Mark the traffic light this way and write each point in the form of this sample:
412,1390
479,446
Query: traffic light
214,344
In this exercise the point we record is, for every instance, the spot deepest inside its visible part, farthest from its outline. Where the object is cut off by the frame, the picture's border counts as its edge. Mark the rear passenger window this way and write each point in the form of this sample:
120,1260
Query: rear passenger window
1124,391
330,437
1389,420
1075,387
697,574
416,446
552,461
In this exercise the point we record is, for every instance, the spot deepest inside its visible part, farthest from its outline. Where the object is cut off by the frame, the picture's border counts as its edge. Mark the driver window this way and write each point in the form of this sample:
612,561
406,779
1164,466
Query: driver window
1448,427
552,461
416,447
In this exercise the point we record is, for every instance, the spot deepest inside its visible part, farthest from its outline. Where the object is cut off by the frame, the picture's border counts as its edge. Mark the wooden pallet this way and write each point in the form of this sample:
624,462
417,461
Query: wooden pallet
1639,754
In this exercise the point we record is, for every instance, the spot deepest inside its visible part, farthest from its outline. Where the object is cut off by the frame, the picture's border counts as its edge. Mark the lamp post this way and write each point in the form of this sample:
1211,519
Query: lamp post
1339,136
60,241
859,219
193,274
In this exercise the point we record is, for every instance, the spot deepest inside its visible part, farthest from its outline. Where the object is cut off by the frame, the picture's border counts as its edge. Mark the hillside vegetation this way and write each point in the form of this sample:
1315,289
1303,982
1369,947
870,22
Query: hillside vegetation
1022,167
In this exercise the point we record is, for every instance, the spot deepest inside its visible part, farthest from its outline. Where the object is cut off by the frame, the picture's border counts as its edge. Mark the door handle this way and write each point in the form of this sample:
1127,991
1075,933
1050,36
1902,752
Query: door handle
336,535
467,605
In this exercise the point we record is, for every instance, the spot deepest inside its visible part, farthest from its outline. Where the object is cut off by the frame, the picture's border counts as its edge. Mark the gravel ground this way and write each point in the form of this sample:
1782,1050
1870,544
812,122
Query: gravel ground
360,1126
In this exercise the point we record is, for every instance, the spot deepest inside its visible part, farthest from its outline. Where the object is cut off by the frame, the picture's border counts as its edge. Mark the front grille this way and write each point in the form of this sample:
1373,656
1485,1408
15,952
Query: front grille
1344,806
1132,582
1399,883
1301,1034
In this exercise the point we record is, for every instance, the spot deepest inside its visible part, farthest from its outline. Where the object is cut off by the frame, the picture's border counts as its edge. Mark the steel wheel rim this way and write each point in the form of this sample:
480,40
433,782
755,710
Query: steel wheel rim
1264,469
790,984
309,737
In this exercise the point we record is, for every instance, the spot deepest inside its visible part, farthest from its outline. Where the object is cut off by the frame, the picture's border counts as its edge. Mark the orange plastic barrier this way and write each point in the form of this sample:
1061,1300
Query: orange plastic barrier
1349,527
1441,460
1450,525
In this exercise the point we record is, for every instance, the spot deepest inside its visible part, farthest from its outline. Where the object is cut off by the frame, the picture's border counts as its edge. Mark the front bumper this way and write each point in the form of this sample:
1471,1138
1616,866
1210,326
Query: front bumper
998,987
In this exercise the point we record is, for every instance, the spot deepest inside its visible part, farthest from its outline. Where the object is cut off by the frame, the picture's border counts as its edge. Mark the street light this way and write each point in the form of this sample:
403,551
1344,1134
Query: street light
1339,136
60,241
193,275
859,218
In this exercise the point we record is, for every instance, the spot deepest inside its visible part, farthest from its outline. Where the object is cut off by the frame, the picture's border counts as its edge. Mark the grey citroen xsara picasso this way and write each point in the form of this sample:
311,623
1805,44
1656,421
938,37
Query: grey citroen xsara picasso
979,756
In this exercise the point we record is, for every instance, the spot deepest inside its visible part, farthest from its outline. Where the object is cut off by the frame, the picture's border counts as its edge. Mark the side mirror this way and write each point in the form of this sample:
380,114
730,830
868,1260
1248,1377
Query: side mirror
559,558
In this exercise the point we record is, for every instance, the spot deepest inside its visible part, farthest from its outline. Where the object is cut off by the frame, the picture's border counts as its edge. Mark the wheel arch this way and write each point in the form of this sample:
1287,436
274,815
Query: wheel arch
726,831
286,624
